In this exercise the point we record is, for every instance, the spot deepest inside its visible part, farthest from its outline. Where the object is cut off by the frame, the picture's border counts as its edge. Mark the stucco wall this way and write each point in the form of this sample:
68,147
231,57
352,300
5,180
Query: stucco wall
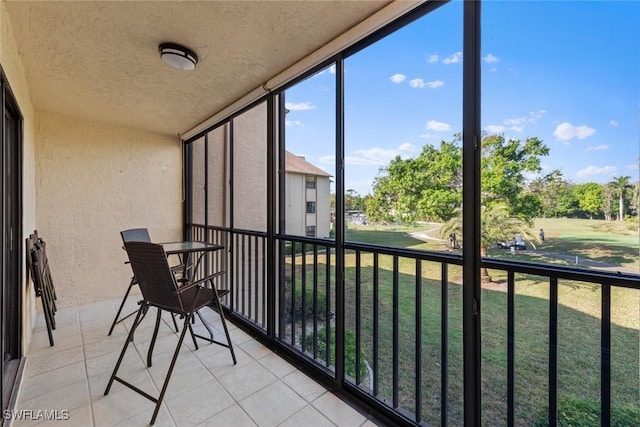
323,208
14,71
92,182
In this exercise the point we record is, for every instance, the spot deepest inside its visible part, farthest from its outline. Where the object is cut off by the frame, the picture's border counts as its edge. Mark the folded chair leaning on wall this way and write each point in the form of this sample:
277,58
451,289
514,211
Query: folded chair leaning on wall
160,289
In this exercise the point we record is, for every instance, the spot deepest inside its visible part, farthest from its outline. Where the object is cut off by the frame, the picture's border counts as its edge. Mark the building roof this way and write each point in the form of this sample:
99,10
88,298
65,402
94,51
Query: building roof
297,164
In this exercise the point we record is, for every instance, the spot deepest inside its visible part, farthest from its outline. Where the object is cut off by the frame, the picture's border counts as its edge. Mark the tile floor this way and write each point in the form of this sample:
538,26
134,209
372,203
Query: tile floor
206,389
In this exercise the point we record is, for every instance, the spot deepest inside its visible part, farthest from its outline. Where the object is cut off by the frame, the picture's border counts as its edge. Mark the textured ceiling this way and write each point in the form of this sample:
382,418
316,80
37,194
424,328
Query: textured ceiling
99,60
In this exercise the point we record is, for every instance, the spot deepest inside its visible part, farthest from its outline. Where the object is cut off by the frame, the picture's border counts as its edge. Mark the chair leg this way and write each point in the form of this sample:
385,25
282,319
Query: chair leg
175,324
193,337
171,366
153,338
115,321
143,309
226,330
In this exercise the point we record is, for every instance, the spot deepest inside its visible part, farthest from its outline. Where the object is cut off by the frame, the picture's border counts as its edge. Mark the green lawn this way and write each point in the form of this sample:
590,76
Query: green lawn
579,327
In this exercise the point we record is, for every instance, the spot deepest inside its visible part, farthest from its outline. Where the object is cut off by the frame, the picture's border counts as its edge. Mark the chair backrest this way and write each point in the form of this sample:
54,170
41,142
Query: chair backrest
135,235
153,274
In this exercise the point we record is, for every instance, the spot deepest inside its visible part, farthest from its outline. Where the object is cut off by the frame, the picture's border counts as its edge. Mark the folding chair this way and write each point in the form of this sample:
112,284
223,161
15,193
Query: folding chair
133,235
38,266
160,289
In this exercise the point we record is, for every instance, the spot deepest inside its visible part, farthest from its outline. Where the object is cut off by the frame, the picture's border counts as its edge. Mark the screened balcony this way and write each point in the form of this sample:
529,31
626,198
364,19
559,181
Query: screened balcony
395,324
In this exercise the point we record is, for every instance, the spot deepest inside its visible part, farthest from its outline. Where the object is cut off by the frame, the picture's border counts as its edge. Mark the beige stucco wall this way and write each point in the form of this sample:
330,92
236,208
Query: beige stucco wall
93,181
14,71
323,207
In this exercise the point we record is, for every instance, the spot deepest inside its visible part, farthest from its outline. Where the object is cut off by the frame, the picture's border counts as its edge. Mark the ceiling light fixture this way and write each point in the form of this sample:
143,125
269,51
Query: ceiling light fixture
178,56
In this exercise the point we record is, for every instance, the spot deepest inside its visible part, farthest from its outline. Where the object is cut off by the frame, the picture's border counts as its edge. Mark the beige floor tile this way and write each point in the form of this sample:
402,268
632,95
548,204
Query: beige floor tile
206,389
304,386
188,374
143,418
255,349
51,381
102,310
79,417
39,364
135,374
199,404
338,411
307,416
233,416
63,398
121,404
40,343
273,404
218,359
277,365
247,380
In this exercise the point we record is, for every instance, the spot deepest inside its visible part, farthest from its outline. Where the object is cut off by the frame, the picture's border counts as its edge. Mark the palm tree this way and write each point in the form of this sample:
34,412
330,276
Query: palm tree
620,185
496,225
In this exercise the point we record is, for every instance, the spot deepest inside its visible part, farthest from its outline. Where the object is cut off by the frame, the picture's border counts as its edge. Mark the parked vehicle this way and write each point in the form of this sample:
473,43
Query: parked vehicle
518,244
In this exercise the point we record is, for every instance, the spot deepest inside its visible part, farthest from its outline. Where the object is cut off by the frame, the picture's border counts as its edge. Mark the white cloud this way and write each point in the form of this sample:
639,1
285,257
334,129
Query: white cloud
332,69
407,146
490,58
494,128
517,124
597,170
329,159
432,59
613,123
398,78
299,106
435,84
417,83
633,167
437,126
566,131
293,123
453,59
375,156
598,148
428,136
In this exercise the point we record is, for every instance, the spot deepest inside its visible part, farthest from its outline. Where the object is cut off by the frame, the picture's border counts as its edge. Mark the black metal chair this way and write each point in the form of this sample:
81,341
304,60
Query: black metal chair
135,235
160,289
131,235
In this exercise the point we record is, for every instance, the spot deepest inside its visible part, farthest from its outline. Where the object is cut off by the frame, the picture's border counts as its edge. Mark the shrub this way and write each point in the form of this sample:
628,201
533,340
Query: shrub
349,350
305,312
576,412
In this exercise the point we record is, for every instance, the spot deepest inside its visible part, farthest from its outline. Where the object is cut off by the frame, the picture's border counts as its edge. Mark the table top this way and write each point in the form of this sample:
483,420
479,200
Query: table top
172,248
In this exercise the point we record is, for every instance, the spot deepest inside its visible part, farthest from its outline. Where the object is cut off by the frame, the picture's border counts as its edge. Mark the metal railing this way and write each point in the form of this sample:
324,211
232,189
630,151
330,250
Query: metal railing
402,318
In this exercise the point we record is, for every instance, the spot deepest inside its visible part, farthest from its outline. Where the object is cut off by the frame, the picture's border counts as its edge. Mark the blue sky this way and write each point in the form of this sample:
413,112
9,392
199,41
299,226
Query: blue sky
565,72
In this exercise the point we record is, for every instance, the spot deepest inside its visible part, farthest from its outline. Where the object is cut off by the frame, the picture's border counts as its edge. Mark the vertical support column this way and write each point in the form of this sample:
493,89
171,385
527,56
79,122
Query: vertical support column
340,308
471,162
272,120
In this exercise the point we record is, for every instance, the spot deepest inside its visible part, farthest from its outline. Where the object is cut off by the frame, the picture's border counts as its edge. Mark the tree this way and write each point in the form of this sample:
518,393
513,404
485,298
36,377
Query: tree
353,201
590,198
607,199
555,193
504,165
496,224
619,186
427,187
